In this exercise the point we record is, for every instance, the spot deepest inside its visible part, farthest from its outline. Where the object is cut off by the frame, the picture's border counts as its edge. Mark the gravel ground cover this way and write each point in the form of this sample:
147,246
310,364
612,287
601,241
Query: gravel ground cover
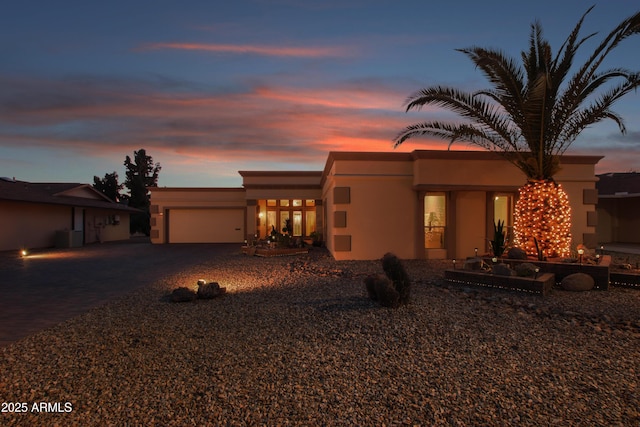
296,342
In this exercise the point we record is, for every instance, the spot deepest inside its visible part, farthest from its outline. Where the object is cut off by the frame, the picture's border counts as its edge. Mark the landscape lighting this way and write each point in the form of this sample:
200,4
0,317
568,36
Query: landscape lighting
24,252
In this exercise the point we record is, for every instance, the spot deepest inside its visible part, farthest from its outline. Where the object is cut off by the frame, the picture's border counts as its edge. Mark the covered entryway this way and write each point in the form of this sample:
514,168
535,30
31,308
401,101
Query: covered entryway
205,225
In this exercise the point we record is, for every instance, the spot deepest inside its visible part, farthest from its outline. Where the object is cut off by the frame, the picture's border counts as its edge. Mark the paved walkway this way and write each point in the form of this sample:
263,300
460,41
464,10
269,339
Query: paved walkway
53,285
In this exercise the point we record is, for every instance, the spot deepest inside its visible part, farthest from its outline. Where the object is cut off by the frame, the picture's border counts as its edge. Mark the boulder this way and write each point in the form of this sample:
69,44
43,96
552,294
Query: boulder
577,282
526,269
502,270
183,294
516,253
209,290
472,264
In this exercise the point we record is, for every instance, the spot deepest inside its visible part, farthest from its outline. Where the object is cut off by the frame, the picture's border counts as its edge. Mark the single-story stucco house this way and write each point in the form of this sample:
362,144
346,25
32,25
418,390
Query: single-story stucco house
41,215
423,204
619,207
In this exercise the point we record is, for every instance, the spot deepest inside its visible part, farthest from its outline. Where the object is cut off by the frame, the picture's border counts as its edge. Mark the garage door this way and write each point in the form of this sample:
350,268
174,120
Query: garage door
206,225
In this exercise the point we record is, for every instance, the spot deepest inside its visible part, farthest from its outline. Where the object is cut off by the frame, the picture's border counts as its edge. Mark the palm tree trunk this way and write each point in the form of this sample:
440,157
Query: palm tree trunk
543,219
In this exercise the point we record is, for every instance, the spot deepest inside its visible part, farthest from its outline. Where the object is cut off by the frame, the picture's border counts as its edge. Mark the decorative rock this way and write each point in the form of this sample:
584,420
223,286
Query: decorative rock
577,282
526,269
516,253
472,264
183,294
210,290
502,270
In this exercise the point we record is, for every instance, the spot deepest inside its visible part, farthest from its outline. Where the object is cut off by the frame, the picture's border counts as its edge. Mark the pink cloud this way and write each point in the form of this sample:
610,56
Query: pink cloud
300,52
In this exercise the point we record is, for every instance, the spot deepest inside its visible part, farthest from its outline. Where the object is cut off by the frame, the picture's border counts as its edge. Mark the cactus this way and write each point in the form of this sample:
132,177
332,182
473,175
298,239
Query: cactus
395,271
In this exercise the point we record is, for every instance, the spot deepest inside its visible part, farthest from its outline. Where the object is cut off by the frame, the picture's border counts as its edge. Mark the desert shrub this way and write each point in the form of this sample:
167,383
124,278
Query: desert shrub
395,271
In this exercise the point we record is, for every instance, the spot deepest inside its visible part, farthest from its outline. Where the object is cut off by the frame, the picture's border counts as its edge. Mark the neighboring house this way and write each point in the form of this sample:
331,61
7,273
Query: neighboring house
423,204
619,207
40,215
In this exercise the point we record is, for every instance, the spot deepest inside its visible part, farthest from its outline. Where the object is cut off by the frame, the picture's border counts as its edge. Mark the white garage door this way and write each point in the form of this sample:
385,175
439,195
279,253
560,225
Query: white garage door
206,225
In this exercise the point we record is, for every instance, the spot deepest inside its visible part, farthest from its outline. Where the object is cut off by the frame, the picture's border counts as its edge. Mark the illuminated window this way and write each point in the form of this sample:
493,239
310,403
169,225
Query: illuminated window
271,202
271,222
297,202
310,202
310,222
284,202
284,216
435,220
503,211
297,223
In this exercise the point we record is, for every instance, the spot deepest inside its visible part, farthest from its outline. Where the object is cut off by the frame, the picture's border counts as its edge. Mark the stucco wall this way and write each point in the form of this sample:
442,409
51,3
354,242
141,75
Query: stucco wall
470,223
35,225
467,177
28,225
381,213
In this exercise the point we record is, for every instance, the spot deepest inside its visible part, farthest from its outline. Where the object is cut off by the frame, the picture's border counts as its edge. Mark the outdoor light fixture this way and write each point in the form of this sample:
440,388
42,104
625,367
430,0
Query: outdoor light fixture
537,270
24,252
476,250
201,282
580,252
494,260
454,264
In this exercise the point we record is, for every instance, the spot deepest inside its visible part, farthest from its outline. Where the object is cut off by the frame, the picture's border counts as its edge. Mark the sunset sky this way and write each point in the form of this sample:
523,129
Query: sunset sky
212,87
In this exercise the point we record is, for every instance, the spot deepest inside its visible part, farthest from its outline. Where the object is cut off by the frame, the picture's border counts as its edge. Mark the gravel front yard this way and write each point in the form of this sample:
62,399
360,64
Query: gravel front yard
296,342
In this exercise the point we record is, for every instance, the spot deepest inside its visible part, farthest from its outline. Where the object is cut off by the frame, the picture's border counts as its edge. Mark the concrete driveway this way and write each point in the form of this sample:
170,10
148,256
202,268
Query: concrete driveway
52,285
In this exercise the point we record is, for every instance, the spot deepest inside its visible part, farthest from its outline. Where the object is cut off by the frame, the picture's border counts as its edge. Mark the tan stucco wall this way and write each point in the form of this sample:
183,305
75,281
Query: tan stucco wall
28,225
470,223
381,215
35,225
468,177
100,227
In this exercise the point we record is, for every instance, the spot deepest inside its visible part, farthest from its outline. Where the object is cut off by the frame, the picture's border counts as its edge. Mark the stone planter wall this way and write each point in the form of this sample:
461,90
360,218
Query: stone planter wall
542,285
625,280
599,272
270,252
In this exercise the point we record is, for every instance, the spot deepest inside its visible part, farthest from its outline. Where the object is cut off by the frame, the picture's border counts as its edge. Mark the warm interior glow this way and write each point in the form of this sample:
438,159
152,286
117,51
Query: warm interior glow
543,212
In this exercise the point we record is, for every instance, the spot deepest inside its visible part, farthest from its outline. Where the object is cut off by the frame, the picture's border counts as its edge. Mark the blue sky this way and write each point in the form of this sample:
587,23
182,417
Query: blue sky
210,88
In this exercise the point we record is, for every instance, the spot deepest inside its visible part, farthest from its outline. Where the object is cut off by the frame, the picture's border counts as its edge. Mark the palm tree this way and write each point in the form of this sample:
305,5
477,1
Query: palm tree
531,115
